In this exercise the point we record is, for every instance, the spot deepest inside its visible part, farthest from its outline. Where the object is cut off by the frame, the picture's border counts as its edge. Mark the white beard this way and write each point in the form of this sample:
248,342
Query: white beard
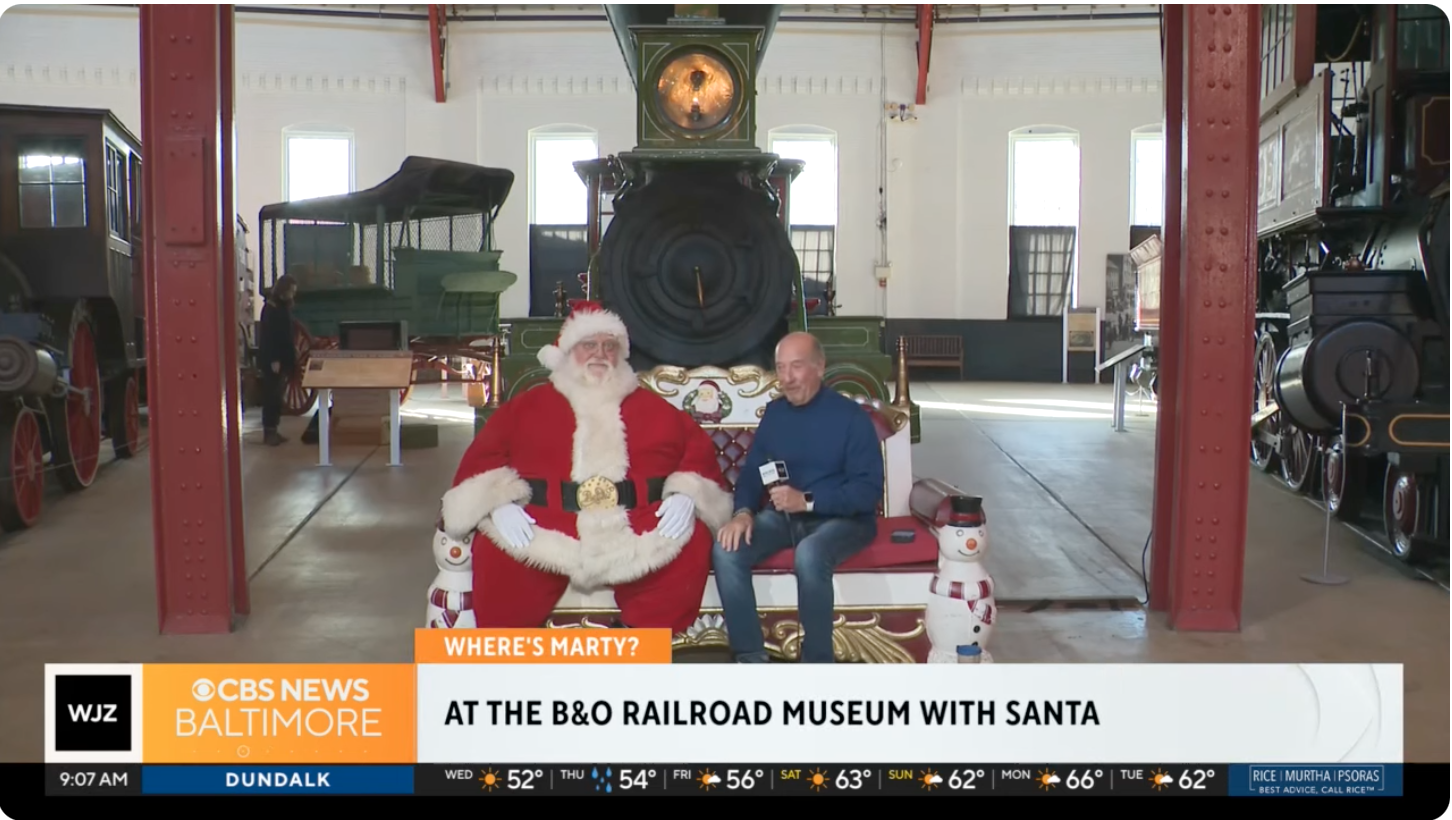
585,388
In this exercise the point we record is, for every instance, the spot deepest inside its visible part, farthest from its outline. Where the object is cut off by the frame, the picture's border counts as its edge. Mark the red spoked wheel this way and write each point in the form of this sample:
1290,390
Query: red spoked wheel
123,416
78,433
24,457
296,399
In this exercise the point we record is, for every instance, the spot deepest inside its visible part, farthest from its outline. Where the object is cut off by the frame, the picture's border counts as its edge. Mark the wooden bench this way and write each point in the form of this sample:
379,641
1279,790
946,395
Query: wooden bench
881,592
934,351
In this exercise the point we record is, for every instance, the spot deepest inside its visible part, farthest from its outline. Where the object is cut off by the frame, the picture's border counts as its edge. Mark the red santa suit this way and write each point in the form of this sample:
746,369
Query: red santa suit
535,451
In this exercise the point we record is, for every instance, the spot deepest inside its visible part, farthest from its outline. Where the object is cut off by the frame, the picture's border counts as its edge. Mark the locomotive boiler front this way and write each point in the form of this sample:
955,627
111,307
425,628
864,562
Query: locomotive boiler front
698,265
26,369
1356,359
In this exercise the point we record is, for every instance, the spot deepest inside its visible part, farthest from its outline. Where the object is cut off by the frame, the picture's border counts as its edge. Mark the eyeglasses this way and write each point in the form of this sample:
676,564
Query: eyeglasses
591,345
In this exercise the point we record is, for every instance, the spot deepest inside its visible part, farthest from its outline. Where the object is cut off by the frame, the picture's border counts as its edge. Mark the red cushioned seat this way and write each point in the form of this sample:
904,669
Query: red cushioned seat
882,555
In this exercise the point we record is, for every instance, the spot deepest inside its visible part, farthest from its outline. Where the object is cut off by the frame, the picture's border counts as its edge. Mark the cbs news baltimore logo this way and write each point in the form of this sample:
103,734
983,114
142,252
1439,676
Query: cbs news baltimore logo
238,714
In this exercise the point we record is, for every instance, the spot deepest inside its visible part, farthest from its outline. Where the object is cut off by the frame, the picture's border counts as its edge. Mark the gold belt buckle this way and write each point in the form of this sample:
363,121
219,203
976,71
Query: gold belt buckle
597,493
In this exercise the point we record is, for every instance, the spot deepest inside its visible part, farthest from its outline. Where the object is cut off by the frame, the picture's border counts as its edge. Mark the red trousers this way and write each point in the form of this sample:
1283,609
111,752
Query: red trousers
511,594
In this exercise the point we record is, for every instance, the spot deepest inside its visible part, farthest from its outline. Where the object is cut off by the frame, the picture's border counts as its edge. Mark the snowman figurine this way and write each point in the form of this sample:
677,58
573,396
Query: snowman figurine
961,608
451,596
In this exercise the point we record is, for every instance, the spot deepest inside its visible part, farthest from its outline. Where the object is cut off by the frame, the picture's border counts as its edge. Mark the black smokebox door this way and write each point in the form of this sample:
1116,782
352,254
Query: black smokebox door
699,268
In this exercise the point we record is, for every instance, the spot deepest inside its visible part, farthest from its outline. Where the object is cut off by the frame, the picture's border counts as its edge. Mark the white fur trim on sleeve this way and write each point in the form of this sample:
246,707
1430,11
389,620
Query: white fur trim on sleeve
474,498
713,503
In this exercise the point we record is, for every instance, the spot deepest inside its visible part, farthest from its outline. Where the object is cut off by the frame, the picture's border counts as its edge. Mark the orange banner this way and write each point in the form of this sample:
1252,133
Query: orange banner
279,713
542,646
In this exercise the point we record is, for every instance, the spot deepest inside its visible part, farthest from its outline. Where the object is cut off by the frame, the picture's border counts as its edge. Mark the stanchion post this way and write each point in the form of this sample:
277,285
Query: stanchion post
1326,578
325,398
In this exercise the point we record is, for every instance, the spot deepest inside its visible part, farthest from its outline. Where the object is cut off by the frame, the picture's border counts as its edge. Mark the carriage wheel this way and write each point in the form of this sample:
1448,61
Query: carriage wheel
1263,454
123,417
1298,459
77,435
1404,513
24,457
1343,482
296,399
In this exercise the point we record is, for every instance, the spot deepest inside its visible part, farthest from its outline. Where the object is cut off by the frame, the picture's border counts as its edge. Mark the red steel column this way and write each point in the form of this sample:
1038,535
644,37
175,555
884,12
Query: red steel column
1222,115
227,30
1167,428
191,504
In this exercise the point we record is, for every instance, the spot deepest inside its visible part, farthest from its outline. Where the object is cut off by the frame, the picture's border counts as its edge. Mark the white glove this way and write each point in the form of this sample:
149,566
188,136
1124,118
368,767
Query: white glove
513,524
677,514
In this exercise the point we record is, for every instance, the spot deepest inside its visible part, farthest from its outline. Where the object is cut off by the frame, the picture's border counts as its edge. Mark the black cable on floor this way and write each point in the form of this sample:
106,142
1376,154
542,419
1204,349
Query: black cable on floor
1144,568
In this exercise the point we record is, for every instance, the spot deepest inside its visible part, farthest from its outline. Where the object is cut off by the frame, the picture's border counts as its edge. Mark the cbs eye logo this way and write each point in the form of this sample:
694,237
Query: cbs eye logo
204,690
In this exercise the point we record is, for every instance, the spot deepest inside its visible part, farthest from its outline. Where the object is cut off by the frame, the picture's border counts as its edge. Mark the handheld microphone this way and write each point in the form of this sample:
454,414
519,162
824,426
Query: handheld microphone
774,474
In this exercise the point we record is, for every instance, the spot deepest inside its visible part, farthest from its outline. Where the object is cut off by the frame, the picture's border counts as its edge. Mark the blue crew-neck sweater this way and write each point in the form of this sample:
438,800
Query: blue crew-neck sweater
830,449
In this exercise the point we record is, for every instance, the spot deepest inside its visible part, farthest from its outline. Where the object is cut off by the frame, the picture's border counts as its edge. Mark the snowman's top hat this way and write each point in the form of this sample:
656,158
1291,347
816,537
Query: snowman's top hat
965,511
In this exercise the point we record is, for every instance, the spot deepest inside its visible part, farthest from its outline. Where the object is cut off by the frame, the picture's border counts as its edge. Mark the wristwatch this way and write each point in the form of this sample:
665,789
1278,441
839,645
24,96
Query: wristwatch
810,501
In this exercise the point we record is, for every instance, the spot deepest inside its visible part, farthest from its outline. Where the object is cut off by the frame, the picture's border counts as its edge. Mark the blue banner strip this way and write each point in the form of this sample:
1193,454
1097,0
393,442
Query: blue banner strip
1317,780
277,780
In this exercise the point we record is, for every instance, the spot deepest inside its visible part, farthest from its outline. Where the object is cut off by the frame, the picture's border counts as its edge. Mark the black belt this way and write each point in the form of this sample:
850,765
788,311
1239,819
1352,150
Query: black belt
569,493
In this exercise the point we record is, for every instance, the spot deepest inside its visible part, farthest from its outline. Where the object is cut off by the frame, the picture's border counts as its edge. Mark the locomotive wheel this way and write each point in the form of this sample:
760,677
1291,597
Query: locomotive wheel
76,427
1263,454
1298,459
296,399
699,268
1343,482
24,458
1404,512
123,416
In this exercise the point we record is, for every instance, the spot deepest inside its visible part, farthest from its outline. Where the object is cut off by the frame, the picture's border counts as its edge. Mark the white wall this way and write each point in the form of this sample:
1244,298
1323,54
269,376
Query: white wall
948,171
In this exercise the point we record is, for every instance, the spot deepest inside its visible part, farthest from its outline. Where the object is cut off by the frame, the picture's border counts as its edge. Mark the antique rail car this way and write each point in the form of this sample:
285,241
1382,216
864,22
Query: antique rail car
72,341
696,256
416,248
1354,264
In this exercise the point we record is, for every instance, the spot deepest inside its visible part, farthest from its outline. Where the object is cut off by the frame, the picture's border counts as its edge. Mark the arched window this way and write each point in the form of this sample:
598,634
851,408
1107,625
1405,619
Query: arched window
559,244
813,201
316,162
1043,219
557,195
814,191
1147,176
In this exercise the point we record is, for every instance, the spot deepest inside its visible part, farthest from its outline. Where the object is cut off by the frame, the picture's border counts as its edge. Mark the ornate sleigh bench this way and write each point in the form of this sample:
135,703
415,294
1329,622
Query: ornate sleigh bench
881,593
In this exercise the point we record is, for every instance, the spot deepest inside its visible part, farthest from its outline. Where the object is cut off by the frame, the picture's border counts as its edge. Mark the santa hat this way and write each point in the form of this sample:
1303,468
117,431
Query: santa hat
586,319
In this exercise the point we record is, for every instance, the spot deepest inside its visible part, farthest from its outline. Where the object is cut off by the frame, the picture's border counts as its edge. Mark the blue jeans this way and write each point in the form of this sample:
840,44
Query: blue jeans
822,544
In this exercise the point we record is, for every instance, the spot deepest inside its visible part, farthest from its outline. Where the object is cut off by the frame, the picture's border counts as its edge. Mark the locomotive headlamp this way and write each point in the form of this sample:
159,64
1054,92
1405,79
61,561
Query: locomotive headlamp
696,91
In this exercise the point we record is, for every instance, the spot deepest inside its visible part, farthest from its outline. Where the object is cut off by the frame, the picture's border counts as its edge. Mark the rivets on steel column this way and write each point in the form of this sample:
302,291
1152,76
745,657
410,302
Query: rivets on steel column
1223,267
1212,539
1225,83
1205,340
173,113
1209,192
194,340
1207,264
1207,303
1224,193
1223,232
1225,121
1209,231
1212,556
1197,556
1200,485
1215,521
173,75
1222,303
1202,448
1216,486
1225,158
1210,573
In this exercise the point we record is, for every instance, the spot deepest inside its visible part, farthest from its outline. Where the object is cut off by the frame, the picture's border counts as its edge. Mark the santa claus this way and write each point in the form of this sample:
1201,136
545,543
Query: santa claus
591,481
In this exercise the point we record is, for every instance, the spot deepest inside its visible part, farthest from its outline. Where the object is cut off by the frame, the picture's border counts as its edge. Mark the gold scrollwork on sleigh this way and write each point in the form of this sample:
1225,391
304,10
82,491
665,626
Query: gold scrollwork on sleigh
853,640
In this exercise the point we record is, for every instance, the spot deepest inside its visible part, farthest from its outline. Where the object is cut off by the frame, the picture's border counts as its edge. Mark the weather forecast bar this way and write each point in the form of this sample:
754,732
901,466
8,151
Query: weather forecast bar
605,779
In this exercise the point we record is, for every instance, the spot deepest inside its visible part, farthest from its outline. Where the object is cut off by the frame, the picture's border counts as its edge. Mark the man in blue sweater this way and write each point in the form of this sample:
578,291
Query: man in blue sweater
827,509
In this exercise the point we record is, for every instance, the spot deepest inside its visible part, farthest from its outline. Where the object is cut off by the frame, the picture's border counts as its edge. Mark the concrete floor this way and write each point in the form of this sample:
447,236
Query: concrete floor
340,562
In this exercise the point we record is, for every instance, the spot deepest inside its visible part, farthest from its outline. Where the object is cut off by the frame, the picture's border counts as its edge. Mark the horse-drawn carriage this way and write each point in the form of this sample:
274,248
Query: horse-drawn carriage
417,248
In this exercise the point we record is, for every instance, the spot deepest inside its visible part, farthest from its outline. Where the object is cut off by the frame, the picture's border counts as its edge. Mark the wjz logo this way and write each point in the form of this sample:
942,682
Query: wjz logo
93,713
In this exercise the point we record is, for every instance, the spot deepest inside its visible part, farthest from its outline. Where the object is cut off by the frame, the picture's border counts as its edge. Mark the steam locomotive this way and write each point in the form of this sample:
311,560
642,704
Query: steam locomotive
697,257
1351,370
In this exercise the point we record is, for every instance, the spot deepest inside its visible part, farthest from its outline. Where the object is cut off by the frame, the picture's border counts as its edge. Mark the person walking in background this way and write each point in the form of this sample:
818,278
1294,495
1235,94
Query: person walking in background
276,354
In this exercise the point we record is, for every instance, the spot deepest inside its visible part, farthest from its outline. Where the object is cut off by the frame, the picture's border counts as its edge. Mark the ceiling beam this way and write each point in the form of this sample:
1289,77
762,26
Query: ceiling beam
925,49
438,43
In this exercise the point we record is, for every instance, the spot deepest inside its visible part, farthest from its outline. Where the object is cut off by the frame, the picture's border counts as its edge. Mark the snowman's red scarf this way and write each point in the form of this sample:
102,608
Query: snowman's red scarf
440,599
960,589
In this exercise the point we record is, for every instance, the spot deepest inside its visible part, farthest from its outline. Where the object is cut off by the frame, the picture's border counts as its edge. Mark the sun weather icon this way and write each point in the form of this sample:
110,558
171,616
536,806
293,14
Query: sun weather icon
602,784
1160,779
817,779
490,780
708,780
930,780
1047,779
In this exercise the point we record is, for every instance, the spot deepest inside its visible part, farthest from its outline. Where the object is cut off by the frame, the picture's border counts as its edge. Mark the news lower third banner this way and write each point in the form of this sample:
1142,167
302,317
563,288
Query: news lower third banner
575,701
